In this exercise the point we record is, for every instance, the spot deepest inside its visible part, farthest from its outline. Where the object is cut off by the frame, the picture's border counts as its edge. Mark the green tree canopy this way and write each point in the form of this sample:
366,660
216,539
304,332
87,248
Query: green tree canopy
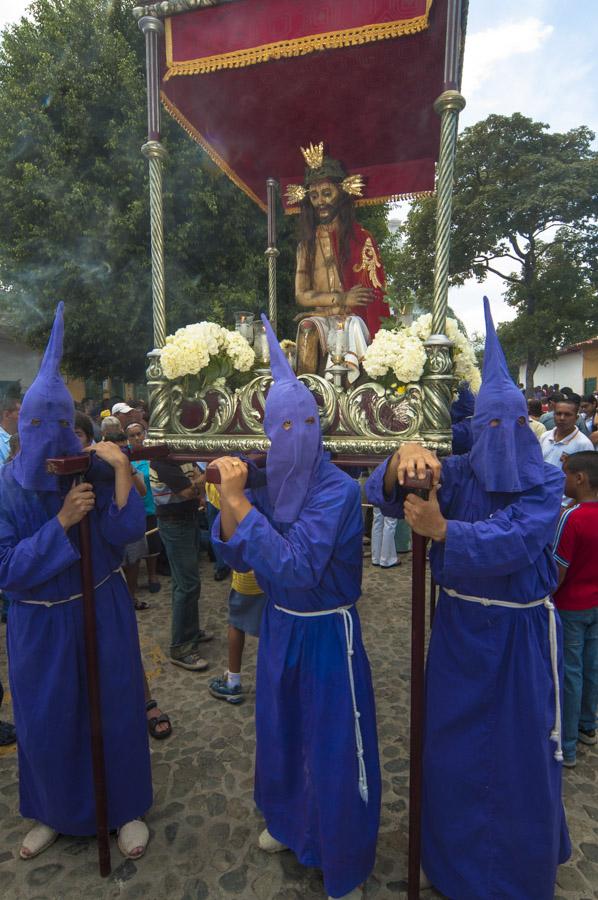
524,208
75,201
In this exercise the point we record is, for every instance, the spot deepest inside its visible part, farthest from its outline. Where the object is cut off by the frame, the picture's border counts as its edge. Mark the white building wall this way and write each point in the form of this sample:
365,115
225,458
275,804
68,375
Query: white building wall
565,370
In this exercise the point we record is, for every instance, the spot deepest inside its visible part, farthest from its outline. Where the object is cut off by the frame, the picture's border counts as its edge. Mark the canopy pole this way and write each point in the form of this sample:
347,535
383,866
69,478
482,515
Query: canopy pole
437,392
272,251
155,153
438,374
416,731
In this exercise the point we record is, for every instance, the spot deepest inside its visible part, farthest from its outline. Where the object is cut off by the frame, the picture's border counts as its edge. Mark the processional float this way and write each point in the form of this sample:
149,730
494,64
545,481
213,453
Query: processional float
251,81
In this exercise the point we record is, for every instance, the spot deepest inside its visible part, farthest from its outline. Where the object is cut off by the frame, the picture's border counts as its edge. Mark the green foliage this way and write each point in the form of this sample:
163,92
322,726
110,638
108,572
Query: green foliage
524,208
74,194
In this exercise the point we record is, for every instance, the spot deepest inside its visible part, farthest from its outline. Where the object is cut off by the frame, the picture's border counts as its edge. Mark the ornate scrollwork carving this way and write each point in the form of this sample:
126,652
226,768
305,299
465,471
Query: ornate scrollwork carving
159,394
215,409
437,388
366,419
371,411
327,397
252,400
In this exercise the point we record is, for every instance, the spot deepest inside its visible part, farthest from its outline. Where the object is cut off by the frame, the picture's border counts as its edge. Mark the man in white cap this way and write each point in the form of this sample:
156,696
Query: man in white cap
122,411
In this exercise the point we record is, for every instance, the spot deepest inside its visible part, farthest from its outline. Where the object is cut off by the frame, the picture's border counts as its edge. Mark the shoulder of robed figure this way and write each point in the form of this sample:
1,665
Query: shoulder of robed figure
333,481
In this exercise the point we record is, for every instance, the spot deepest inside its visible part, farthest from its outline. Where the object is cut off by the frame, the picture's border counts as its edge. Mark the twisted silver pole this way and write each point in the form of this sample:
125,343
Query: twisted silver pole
156,153
272,252
448,106
153,150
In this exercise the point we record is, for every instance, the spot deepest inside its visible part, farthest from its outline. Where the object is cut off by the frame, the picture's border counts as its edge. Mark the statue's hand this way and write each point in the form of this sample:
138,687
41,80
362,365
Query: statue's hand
359,295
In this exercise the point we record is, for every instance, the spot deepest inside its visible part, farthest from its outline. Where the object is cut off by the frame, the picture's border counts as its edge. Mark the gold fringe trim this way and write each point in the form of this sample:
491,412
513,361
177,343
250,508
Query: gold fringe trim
311,43
376,201
178,116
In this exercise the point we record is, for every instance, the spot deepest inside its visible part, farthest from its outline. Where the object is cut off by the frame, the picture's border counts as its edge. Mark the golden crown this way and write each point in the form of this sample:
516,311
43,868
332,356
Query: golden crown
314,156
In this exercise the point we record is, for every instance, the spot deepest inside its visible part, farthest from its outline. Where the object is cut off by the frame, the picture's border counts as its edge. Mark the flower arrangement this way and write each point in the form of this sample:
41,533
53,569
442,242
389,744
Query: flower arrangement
398,355
205,353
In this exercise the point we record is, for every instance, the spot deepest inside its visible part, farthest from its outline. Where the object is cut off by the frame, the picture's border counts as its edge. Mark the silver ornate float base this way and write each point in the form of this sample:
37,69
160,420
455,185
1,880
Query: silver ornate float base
361,421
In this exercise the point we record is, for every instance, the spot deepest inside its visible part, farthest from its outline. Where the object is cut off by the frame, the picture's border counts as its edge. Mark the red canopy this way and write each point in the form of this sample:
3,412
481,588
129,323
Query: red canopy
253,80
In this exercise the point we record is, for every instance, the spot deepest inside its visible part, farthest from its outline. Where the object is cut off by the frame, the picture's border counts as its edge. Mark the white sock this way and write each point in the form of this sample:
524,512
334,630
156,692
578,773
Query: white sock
233,679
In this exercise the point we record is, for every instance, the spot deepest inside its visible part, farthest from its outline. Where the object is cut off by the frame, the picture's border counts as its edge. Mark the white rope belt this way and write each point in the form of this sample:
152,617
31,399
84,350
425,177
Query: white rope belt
49,603
348,623
555,734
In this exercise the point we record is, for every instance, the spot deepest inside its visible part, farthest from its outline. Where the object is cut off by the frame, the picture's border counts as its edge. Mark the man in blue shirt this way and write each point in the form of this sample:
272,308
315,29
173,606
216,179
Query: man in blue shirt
565,438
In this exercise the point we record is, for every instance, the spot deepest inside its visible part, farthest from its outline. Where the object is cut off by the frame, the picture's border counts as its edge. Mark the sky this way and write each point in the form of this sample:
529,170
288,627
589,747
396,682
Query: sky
536,57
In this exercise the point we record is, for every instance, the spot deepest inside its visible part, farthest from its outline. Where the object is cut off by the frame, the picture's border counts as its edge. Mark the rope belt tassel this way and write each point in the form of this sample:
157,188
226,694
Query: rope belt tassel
555,734
348,625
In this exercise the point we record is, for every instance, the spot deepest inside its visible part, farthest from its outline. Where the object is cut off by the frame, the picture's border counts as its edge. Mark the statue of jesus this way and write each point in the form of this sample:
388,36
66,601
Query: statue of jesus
339,276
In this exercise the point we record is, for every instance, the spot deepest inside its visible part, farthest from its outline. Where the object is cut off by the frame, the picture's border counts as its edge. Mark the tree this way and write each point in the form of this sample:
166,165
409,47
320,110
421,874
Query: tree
524,208
74,195
73,187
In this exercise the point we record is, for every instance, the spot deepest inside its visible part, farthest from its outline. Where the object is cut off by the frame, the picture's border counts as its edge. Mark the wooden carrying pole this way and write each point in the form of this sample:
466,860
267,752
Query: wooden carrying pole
77,466
418,628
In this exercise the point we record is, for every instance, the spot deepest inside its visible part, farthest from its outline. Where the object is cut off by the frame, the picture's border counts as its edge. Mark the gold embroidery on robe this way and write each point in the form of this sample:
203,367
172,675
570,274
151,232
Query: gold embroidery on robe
369,263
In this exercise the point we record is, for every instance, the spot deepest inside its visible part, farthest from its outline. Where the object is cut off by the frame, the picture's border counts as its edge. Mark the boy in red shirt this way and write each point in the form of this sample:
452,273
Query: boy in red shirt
576,553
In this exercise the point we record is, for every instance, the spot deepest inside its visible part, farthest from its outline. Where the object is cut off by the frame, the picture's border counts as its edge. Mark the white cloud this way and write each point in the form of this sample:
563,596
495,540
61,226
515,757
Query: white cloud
484,49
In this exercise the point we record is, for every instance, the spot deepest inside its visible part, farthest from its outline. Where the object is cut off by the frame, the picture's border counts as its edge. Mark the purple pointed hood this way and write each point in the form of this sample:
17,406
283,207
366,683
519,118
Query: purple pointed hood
46,419
506,455
292,423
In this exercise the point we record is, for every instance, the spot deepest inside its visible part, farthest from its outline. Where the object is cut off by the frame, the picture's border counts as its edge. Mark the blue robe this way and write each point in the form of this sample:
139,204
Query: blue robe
306,779
493,821
39,561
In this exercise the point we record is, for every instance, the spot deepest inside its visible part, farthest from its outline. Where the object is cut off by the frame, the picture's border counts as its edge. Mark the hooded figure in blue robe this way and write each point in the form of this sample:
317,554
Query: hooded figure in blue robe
317,778
493,820
40,567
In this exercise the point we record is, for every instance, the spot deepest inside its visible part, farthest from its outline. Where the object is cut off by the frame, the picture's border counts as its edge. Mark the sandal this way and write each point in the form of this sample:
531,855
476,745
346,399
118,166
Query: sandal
37,840
154,721
133,838
141,604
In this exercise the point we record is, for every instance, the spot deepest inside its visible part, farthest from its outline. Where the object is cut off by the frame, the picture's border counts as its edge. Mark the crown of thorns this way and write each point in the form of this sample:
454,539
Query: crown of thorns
321,168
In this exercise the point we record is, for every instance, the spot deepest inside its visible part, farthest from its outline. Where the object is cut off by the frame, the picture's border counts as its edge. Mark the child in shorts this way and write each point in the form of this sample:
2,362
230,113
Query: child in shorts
245,607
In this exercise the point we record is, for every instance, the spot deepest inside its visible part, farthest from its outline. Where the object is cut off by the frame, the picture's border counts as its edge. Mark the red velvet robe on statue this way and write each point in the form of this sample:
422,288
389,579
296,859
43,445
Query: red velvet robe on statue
364,266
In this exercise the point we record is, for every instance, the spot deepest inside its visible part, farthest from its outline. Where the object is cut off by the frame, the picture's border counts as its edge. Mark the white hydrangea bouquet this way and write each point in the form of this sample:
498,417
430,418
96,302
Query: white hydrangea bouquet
397,356
205,353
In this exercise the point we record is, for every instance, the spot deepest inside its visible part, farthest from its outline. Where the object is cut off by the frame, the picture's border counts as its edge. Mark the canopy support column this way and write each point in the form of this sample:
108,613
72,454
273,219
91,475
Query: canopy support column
155,153
438,375
436,425
272,252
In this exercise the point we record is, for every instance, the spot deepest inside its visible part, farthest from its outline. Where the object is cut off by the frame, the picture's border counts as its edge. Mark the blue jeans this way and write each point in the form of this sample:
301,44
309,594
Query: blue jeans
580,640
181,541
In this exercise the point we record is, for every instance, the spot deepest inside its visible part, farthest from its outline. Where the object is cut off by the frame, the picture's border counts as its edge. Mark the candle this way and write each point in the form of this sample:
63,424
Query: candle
261,347
244,325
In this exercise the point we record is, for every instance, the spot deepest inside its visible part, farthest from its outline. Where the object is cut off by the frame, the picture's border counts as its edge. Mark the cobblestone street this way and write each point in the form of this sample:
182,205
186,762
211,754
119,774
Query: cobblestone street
203,823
